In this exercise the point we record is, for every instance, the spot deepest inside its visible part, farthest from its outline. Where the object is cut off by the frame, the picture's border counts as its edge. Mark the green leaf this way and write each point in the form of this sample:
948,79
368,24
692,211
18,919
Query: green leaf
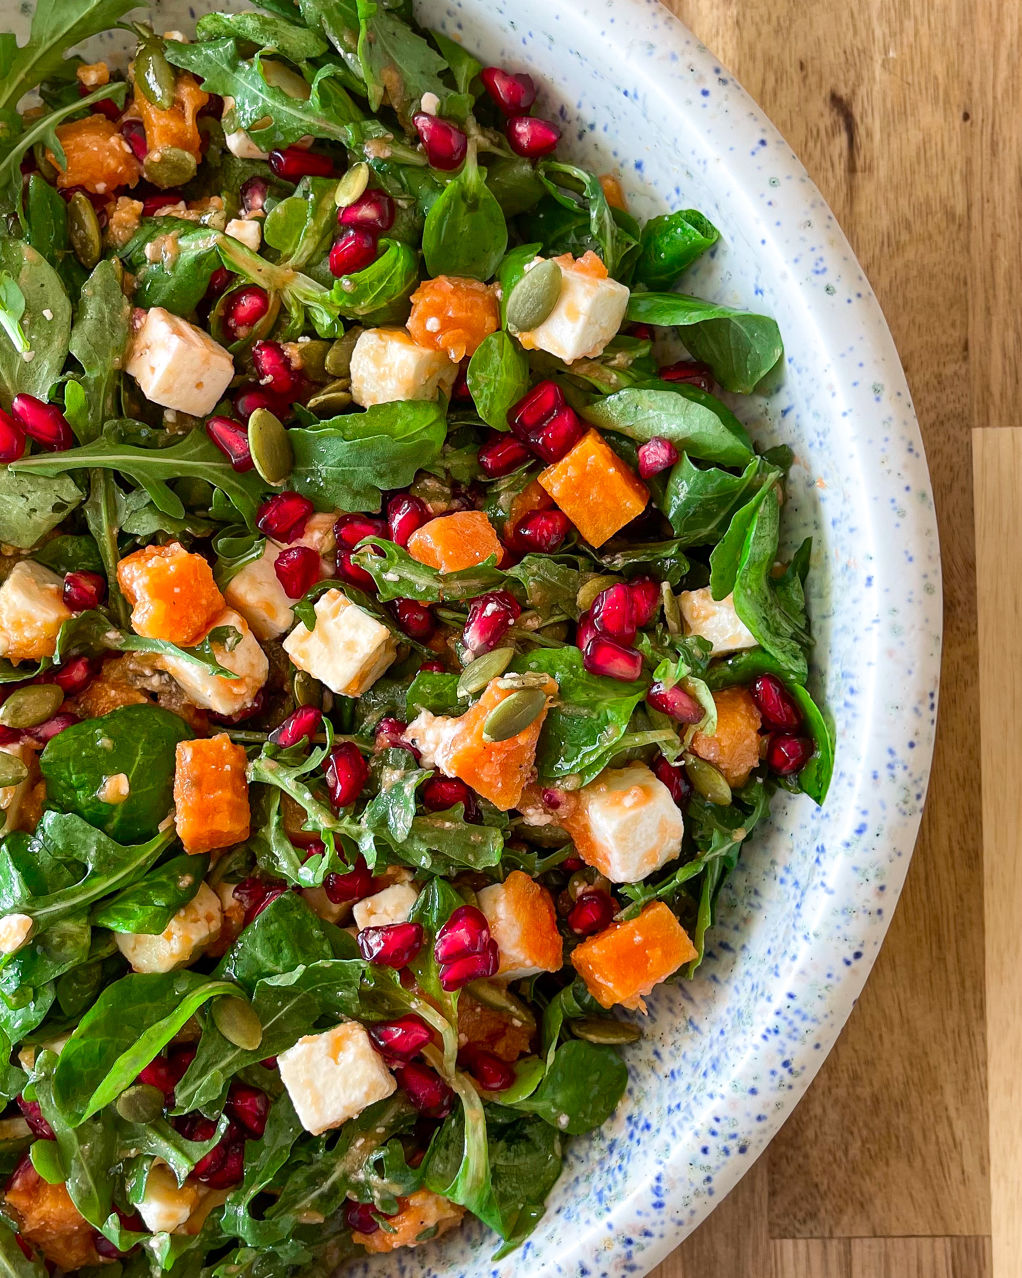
45,221
498,376
148,906
380,291
33,505
670,244
582,1088
465,232
12,308
301,226
726,556
511,270
267,31
397,63
45,324
175,280
69,552
576,218
13,1261
694,422
98,341
700,502
398,576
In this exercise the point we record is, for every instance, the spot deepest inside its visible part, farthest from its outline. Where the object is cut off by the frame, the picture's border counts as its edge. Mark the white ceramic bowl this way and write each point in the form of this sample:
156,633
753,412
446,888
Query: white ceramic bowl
726,1057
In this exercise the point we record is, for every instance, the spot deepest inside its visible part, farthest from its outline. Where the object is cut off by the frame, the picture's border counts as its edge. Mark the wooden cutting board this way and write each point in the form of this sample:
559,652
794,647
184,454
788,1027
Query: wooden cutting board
908,115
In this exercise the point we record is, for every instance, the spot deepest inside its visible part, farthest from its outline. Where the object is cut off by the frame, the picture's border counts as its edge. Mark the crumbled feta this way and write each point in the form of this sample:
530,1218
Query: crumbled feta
430,103
626,824
14,932
387,365
114,789
715,620
432,735
219,693
192,928
238,141
247,230
348,650
586,315
178,365
392,905
333,1076
31,612
166,1206
255,590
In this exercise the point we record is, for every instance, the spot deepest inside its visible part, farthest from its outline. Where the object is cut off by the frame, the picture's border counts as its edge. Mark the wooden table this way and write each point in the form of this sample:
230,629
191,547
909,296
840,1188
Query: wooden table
908,114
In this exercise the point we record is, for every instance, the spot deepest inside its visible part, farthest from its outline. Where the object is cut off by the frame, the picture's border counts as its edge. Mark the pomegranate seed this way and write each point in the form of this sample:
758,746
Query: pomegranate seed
159,1073
405,514
297,569
502,454
655,455
354,573
33,1115
301,725
607,657
253,194
74,675
404,1038
535,408
43,422
542,531
465,932
43,732
584,629
532,137
152,204
591,913
414,618
249,1107
232,440
349,530
514,94
353,251
559,435
372,211
645,599
248,398
83,590
361,1218
393,945
133,133
613,613
255,894
490,617
194,1126
245,308
284,516
219,282
390,736
425,1089
274,368
107,107
224,1165
353,886
775,703
571,863
473,967
444,143
688,370
12,438
788,754
346,774
440,793
490,1072
642,332
676,702
433,667
294,163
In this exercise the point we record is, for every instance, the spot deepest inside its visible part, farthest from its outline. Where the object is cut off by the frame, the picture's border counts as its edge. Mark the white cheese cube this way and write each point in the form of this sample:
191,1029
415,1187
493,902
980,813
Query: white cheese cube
177,365
321,905
238,141
392,905
166,1206
255,590
247,230
220,693
348,650
332,1077
627,825
192,928
523,922
586,315
387,365
15,930
715,620
31,612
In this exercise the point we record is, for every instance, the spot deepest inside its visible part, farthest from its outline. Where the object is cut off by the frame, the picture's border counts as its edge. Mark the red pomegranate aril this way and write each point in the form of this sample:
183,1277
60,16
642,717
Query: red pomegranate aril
12,438
133,132
195,1126
414,618
490,1072
349,530
297,569
245,308
405,514
219,282
775,703
425,1089
33,1115
255,894
107,107
43,732
274,368
655,455
248,398
559,435
473,967
542,531
585,629
361,1218
152,204
357,883
354,573
223,1166
83,590
160,1073
613,613
372,211
444,143
353,251
346,774
465,932
591,913
249,1107
645,599
502,454
433,667
284,516
788,754
688,370
74,675
43,422
535,408
392,945
531,137
607,657
490,617
440,793
301,725
232,440
253,194
404,1038
675,702
390,735
294,162
513,93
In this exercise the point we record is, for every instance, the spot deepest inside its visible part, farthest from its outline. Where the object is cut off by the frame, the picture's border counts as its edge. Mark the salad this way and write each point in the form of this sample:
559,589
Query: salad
396,651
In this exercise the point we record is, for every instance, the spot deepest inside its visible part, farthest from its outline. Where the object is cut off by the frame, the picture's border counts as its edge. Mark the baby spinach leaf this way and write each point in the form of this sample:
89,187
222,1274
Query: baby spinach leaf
33,505
740,348
13,1261
175,277
464,67
700,502
69,552
148,905
514,183
726,556
578,218
498,376
465,232
98,341
45,220
696,424
438,693
379,292
283,937
45,324
581,1089
265,30
670,244
53,950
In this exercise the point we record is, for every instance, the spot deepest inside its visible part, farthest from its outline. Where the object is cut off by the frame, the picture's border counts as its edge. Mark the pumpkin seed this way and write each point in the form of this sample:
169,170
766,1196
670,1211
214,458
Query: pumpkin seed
534,296
352,185
238,1023
603,1030
83,230
141,1103
478,673
587,880
310,357
672,610
283,78
514,714
26,707
333,398
12,771
588,590
338,357
528,679
707,780
44,164
500,999
270,447
169,166
154,75
307,691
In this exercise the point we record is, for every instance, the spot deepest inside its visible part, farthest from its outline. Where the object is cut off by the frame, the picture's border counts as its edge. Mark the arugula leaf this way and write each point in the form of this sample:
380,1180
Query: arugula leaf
267,31
32,505
582,1087
44,324
398,576
498,376
670,244
465,232
578,218
272,1153
148,905
397,64
693,421
300,226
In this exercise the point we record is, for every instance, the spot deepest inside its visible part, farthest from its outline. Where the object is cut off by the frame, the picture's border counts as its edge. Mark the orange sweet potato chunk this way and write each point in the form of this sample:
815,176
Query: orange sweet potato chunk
97,157
211,794
523,922
453,542
453,314
625,961
423,1216
595,489
499,1032
172,593
734,747
49,1220
176,126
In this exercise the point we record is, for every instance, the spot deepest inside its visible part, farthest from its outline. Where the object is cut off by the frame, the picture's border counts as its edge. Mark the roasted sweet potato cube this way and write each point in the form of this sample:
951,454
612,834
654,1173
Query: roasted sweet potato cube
97,157
211,794
49,1220
176,126
596,490
453,542
624,962
172,593
423,1215
734,747
523,922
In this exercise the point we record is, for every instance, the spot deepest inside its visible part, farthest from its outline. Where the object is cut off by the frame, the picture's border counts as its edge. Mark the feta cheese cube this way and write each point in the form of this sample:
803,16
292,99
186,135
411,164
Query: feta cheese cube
13,796
715,620
392,905
177,365
523,922
348,650
387,365
31,612
246,229
333,1076
166,1206
626,824
586,315
255,590
192,928
238,141
218,692
14,932
321,905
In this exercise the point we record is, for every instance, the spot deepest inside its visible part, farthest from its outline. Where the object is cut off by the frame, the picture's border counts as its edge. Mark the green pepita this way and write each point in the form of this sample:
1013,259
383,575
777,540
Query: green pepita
238,1023
672,610
44,164
534,296
478,673
514,714
707,781
83,230
154,75
588,590
338,357
527,679
307,691
12,770
494,995
603,1030
270,447
141,1103
332,399
26,707
282,77
352,185
169,166
587,880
